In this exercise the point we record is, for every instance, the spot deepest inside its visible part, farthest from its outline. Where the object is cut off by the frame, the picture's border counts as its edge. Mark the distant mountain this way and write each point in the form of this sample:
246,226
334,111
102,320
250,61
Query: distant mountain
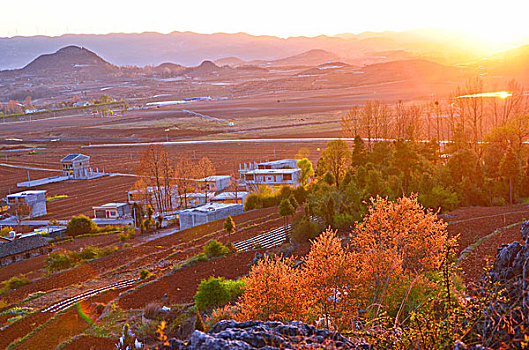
69,60
230,61
510,64
312,57
168,69
204,70
189,49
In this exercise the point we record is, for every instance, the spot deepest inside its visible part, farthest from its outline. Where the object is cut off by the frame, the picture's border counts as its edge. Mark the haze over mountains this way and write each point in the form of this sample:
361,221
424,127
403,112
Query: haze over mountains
188,48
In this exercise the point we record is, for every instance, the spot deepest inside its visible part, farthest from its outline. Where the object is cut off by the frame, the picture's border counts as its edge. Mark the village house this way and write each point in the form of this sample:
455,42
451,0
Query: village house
207,213
112,211
195,199
147,196
277,173
22,248
231,197
271,177
76,166
35,200
214,183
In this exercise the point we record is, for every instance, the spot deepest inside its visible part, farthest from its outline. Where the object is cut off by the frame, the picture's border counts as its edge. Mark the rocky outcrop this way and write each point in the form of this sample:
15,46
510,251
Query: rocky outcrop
265,336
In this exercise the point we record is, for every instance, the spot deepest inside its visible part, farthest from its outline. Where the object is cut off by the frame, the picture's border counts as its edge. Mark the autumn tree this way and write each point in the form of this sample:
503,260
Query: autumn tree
329,278
396,242
204,169
273,292
307,171
157,177
20,210
27,102
335,159
185,173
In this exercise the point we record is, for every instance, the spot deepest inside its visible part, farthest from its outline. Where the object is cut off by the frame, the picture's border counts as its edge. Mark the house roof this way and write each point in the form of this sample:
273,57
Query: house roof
21,245
210,207
273,171
231,195
215,178
110,206
73,157
279,162
26,193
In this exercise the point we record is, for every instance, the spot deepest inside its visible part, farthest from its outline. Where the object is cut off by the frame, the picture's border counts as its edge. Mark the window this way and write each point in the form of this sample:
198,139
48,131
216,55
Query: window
287,177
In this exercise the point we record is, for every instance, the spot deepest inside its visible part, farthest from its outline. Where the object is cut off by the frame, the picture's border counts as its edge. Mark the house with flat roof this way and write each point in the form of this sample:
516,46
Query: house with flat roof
35,200
147,196
22,248
214,183
76,166
112,211
207,213
238,197
279,164
271,177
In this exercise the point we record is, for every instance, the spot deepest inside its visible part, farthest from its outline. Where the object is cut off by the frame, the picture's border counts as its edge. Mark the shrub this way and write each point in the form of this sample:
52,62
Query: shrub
4,232
215,248
14,282
215,292
194,260
88,253
79,225
144,273
304,230
57,261
199,323
152,311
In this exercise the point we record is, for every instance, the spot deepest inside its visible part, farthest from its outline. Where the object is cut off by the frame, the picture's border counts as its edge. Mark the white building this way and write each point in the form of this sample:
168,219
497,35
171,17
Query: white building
271,177
214,183
34,199
76,166
207,213
112,211
238,197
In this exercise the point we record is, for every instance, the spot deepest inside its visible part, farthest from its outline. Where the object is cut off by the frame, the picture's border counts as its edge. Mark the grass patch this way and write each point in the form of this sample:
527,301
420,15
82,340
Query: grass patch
14,283
58,261
53,198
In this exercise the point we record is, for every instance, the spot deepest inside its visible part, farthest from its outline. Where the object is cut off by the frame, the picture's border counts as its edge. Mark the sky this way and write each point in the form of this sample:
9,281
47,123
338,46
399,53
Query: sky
498,22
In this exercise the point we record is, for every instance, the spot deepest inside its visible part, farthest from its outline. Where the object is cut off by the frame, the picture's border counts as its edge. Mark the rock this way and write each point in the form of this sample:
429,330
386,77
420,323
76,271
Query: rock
524,231
250,335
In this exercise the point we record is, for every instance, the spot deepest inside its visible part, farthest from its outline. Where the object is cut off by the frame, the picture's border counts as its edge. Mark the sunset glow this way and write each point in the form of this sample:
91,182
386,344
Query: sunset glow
486,22
497,94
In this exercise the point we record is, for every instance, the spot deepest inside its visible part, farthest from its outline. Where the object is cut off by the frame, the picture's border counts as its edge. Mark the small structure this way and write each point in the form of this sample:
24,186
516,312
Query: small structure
214,183
112,211
231,197
76,166
81,104
51,231
22,248
34,199
207,213
195,199
148,197
271,177
279,164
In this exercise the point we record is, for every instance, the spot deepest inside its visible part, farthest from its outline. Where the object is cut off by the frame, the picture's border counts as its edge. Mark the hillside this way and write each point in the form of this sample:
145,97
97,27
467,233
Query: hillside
70,59
313,57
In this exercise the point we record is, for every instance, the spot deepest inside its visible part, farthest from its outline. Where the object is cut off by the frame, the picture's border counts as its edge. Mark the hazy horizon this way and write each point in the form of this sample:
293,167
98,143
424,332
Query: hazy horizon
496,26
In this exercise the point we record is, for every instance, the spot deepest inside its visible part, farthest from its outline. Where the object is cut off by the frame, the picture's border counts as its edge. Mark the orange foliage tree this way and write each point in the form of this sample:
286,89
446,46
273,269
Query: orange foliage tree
396,242
388,254
329,281
272,292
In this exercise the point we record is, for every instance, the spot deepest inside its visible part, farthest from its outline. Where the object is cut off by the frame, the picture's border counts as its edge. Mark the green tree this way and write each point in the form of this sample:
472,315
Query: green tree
79,225
335,159
406,160
229,227
510,169
307,171
359,156
286,209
